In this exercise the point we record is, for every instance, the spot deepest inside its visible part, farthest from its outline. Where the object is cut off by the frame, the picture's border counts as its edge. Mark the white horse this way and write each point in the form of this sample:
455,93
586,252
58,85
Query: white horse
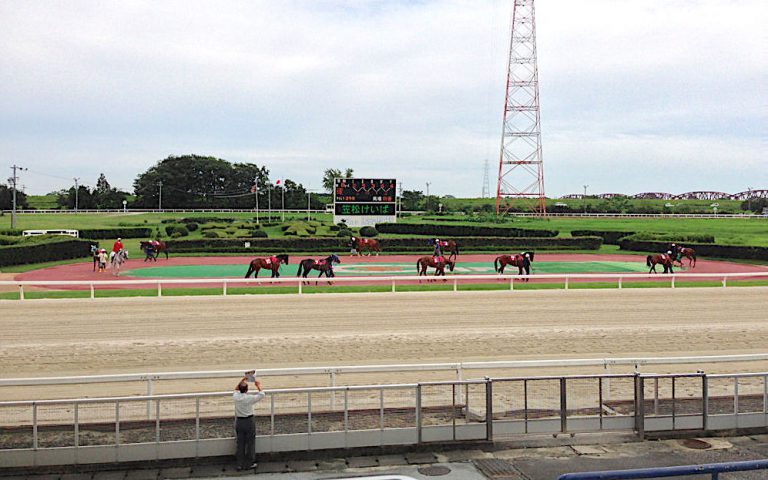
117,260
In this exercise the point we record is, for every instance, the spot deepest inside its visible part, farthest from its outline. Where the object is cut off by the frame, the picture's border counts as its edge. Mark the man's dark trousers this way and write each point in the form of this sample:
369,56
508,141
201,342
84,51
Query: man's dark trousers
245,427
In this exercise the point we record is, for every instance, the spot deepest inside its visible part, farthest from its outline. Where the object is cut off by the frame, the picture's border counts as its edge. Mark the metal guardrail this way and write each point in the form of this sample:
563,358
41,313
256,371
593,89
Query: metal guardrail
454,280
713,469
95,430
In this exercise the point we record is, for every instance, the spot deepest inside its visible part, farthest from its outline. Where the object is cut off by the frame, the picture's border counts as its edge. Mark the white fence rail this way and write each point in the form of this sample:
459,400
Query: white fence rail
454,280
460,369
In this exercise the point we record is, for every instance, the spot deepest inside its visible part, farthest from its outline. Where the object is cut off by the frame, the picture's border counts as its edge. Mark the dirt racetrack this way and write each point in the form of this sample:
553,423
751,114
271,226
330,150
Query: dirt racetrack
81,337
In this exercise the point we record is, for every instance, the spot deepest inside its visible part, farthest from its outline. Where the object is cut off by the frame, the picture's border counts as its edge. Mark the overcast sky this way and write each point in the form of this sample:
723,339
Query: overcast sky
636,96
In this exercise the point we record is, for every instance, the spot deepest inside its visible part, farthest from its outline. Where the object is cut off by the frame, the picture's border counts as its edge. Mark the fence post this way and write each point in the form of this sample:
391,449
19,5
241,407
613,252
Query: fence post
640,406
21,292
704,402
488,409
511,283
418,412
333,392
620,280
455,286
566,282
300,283
34,425
149,394
76,408
93,295
393,286
724,281
159,290
673,281
224,290
563,405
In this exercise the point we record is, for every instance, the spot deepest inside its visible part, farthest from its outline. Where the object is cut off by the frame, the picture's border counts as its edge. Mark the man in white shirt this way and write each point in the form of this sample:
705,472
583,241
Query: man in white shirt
245,427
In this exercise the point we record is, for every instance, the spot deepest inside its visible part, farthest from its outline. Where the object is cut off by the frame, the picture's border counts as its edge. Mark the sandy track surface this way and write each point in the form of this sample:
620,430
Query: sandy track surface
80,337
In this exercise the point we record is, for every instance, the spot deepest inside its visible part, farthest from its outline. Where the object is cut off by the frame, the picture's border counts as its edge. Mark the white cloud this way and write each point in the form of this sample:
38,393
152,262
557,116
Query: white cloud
405,89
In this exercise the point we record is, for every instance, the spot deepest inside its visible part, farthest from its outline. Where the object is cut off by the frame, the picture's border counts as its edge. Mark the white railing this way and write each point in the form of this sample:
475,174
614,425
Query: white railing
459,369
451,280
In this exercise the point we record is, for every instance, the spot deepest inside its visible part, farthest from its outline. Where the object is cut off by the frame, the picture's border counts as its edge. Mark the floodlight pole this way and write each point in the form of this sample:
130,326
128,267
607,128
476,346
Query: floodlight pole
585,198
76,179
160,195
256,191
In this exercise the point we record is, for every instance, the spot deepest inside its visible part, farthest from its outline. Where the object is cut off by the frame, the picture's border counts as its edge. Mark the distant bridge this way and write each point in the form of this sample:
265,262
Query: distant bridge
697,195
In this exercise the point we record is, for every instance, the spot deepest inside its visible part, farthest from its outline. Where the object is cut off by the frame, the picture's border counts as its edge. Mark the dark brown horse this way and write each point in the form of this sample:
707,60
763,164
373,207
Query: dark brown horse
370,244
522,261
438,263
663,259
451,247
325,266
153,249
685,252
267,263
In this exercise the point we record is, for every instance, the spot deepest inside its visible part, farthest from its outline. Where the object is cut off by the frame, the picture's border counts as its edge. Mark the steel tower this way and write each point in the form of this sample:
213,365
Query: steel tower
521,172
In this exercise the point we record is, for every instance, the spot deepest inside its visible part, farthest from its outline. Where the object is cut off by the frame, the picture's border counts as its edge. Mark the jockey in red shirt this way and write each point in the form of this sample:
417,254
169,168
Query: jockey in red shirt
118,245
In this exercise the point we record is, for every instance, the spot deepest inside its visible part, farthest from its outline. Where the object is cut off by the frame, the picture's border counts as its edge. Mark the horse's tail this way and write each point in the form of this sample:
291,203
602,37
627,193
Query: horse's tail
527,265
300,270
250,270
496,264
456,248
418,265
648,261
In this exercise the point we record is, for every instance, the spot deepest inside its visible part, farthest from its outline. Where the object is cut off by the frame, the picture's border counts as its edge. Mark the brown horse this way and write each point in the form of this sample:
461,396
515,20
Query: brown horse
358,244
438,263
268,263
662,259
685,252
522,261
154,247
451,247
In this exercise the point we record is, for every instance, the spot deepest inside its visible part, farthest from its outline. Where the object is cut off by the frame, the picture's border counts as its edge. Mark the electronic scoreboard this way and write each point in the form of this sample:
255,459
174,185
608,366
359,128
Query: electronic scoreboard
364,201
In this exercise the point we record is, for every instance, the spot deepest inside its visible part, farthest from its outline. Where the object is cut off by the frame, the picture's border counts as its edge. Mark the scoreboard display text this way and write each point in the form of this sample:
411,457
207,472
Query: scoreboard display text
365,190
376,209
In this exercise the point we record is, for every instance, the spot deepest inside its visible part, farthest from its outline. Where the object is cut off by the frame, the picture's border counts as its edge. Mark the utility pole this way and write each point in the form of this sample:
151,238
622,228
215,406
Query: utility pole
160,195
426,204
13,181
76,179
309,204
256,191
749,199
486,182
584,198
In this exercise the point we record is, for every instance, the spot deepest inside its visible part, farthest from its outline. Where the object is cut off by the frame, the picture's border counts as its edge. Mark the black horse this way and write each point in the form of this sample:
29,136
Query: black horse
325,266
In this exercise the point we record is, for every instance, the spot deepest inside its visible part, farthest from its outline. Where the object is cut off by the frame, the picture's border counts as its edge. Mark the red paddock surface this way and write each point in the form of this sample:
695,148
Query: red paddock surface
83,271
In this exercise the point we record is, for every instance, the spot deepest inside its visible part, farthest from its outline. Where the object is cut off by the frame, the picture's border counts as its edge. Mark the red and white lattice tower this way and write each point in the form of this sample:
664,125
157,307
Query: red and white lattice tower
521,168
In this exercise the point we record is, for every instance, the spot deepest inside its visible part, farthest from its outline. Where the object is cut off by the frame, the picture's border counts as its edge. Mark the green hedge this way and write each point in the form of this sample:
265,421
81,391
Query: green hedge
702,249
11,231
46,250
127,232
442,230
279,245
668,238
609,237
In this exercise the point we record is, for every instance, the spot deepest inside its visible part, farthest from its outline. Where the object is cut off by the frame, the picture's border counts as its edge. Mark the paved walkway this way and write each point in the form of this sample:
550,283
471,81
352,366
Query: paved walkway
537,459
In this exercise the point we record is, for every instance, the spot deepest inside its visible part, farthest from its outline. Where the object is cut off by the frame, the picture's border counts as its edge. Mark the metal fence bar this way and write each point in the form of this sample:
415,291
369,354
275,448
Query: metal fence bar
713,469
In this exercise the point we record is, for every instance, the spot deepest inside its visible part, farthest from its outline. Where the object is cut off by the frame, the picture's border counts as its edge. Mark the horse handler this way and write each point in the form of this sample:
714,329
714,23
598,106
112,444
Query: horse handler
245,426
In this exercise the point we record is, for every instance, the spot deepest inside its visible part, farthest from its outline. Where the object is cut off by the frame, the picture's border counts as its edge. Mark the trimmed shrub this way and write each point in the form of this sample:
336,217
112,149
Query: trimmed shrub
210,234
206,220
443,230
135,232
702,249
609,237
192,226
344,232
672,238
256,233
334,228
45,249
9,240
415,245
180,229
368,231
176,234
11,231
